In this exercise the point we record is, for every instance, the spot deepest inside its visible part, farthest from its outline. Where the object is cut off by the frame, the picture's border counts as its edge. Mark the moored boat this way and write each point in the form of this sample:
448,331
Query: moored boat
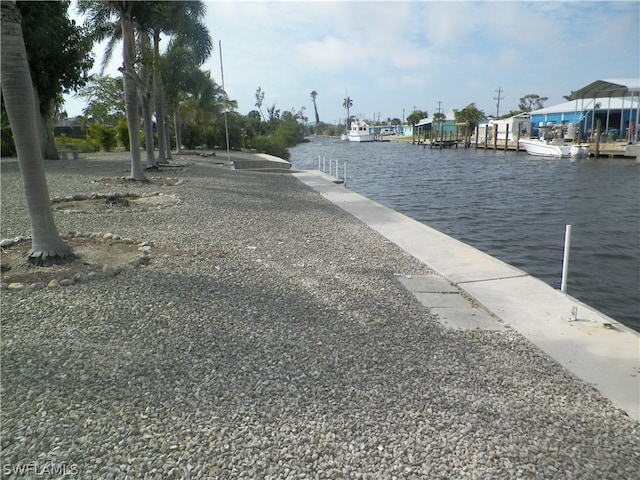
544,148
360,132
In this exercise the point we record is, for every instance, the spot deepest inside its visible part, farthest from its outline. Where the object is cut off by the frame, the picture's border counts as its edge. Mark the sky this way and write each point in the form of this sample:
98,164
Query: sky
392,57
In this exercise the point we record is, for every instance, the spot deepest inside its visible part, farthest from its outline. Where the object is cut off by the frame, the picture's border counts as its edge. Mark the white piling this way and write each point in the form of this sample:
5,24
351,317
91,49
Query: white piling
565,258
330,163
345,175
324,164
319,161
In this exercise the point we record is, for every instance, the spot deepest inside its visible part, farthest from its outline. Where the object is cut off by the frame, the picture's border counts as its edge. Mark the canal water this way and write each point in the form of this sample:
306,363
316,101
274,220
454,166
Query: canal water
512,206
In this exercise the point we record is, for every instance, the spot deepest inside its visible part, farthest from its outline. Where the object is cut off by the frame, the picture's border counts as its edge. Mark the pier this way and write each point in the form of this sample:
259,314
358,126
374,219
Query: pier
494,139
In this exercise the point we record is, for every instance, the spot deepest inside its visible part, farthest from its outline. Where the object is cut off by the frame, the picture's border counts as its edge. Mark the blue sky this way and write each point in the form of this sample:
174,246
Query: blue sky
396,55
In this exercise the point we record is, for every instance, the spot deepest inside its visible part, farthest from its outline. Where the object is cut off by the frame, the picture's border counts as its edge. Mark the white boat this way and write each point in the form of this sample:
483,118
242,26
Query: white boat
360,132
545,148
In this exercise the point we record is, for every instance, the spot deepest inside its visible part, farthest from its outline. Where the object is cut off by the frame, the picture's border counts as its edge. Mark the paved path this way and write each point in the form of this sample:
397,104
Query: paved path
591,345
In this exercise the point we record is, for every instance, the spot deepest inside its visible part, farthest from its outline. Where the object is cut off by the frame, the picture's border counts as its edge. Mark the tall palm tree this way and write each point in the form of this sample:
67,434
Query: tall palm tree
47,246
314,95
347,104
100,14
184,22
142,20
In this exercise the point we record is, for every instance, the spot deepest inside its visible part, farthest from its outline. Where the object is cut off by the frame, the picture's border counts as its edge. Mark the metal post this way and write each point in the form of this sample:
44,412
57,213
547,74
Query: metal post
319,159
330,163
345,175
226,125
565,258
324,164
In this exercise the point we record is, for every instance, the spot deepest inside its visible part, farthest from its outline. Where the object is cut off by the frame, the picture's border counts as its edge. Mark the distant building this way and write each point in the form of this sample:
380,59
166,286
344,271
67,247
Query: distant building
615,103
69,127
425,127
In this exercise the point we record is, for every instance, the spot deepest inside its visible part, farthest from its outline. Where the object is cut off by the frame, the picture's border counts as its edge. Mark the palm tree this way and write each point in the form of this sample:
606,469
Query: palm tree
100,14
183,21
314,95
347,104
47,246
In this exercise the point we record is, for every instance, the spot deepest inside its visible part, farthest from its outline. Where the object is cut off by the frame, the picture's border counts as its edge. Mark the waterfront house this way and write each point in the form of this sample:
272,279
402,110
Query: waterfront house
614,105
427,128
511,129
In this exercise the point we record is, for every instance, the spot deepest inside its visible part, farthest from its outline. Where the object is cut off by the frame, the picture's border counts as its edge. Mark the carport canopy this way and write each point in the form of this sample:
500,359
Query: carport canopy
619,87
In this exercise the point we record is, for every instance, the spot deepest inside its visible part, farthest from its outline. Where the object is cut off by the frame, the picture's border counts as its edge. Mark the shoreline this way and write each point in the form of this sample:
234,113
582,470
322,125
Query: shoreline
274,338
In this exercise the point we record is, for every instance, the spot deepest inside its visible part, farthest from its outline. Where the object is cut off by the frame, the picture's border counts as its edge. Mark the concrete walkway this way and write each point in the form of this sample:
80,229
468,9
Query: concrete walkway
591,345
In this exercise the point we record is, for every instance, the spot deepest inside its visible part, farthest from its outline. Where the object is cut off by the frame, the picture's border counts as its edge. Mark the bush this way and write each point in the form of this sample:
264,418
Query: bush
122,134
84,145
104,136
271,145
192,136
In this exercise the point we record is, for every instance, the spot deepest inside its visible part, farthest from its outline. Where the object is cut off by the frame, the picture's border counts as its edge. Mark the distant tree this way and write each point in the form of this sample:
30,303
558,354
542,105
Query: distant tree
569,97
347,104
259,100
415,116
509,114
314,95
471,116
531,102
274,114
439,117
105,103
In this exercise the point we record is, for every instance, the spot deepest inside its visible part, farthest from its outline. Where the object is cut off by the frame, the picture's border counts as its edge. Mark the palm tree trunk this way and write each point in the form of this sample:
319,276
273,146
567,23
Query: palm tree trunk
131,95
177,127
145,101
159,100
45,129
47,246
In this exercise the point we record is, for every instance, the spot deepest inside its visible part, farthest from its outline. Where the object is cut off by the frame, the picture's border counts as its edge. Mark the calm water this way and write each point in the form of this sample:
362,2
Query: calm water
513,207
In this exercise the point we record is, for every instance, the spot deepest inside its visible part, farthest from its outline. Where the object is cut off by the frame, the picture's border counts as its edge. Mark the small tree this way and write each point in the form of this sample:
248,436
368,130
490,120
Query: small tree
531,102
470,116
259,100
415,116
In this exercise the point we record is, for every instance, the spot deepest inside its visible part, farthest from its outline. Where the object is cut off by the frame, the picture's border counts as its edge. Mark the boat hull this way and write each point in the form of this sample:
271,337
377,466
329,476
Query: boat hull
361,138
540,148
360,132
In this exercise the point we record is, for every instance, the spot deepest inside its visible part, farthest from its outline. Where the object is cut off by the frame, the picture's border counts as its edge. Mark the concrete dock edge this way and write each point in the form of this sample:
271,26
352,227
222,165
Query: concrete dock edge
596,348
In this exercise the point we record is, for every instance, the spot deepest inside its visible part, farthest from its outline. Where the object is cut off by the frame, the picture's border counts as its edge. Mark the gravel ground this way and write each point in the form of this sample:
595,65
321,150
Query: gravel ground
274,342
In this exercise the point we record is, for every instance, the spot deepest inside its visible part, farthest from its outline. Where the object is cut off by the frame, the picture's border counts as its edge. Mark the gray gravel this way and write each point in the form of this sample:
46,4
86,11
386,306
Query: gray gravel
272,340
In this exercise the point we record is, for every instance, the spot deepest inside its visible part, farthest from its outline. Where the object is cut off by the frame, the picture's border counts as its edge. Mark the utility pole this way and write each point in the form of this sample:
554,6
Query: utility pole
439,104
497,99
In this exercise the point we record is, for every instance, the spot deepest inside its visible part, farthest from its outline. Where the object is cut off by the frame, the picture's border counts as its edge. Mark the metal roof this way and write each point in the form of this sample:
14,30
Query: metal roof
616,87
588,104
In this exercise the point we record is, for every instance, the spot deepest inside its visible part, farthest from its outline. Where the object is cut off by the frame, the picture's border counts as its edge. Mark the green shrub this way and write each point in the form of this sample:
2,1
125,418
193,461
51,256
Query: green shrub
122,134
270,145
104,136
85,145
192,136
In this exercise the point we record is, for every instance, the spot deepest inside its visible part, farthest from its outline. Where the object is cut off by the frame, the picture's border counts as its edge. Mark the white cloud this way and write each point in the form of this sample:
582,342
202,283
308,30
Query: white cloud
398,54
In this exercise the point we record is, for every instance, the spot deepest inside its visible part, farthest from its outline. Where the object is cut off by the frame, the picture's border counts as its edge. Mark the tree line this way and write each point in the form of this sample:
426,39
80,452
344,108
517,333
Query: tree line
44,55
